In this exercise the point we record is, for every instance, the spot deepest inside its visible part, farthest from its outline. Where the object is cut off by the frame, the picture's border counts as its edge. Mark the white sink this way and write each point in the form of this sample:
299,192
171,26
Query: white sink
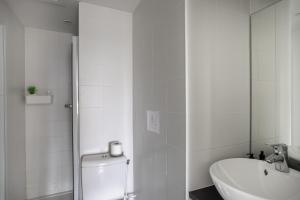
246,179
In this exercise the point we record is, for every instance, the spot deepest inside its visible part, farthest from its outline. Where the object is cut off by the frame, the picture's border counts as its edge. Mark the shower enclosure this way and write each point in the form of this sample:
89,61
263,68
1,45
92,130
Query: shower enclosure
48,133
75,106
51,145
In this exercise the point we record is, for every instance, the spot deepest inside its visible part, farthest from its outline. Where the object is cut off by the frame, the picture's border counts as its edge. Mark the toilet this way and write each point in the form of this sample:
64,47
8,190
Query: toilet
103,177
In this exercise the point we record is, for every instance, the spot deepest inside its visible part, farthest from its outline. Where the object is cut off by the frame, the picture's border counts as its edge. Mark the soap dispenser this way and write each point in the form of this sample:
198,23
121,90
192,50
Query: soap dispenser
262,155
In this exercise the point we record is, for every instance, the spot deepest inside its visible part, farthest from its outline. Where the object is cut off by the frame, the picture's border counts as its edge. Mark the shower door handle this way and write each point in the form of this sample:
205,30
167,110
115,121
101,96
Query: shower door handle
70,106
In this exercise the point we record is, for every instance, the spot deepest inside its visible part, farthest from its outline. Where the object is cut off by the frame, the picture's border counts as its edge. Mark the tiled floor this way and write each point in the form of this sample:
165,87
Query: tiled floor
209,193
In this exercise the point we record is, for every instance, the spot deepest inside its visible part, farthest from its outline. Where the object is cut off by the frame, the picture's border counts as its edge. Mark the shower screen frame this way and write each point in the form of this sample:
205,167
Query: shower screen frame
75,103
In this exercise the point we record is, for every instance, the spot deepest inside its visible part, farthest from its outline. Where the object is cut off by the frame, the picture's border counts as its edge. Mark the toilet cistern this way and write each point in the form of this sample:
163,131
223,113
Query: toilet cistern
104,177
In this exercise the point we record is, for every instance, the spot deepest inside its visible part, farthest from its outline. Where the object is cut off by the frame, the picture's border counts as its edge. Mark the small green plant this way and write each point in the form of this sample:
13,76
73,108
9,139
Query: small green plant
32,89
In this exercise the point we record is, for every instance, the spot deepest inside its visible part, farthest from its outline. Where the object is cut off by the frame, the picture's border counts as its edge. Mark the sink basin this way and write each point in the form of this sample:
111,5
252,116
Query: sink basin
249,179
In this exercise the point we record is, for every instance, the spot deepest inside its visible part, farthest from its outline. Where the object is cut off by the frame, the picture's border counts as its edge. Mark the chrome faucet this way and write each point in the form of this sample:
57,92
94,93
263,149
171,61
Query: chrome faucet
279,157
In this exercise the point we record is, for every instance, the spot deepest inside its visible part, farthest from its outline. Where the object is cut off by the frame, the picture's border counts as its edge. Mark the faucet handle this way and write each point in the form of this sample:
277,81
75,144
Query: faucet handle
279,148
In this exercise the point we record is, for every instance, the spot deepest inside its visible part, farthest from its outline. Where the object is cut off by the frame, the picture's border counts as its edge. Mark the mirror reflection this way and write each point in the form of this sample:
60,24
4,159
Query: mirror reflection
275,40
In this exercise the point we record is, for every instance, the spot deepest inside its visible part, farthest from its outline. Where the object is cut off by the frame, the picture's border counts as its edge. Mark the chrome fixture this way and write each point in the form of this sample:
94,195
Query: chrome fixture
279,157
70,106
67,21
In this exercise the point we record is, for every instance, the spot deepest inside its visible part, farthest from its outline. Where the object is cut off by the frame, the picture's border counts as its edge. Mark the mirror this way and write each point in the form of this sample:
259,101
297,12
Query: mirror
275,41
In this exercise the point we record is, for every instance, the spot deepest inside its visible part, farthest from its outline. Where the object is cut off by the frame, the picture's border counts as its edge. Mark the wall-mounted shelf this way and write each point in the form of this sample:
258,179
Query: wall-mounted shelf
38,99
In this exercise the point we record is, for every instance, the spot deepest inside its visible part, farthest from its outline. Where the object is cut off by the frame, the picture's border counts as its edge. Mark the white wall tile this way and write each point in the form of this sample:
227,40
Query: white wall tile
49,128
175,167
176,130
105,78
2,61
15,121
91,96
93,120
159,85
176,95
272,66
2,154
2,115
263,45
296,74
91,74
202,160
218,84
175,193
257,5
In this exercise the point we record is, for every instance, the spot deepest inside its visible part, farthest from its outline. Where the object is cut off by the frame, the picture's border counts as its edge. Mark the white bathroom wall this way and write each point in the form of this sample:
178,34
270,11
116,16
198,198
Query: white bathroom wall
159,85
256,5
218,84
49,127
2,116
271,76
15,115
263,78
105,80
296,75
47,15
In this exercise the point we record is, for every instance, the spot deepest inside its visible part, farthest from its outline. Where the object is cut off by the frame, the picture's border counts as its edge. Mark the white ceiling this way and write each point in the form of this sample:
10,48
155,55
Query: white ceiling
50,14
46,14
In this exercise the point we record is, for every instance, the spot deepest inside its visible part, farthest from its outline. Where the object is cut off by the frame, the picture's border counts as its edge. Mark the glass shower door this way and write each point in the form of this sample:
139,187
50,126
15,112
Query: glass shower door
76,155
